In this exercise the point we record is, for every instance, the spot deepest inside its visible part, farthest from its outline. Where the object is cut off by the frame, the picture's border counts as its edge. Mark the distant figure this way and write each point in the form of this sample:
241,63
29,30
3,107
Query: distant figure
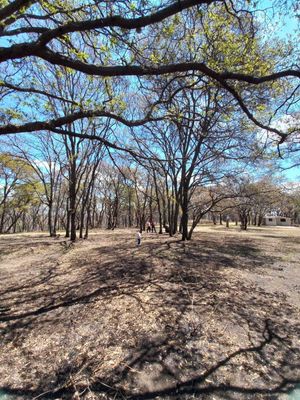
148,226
153,227
138,238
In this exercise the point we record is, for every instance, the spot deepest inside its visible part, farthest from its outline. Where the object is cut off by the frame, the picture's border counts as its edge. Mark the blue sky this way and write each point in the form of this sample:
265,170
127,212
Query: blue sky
283,26
292,175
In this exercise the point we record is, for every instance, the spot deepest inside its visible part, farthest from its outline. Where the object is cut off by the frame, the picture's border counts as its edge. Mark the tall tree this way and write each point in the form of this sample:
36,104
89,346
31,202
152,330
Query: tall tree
195,147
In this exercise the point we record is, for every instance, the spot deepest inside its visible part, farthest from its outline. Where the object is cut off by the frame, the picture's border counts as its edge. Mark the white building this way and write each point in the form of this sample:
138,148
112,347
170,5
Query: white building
272,220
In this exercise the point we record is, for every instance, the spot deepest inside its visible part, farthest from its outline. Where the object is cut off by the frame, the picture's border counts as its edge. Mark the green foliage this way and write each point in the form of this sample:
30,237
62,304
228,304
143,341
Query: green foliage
24,196
19,168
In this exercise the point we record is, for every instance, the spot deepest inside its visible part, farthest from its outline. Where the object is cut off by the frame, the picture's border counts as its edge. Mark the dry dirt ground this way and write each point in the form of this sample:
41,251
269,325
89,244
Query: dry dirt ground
214,318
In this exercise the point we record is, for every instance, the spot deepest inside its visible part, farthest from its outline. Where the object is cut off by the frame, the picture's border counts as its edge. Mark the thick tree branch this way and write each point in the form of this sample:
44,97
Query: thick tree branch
13,7
27,49
118,21
20,31
245,109
68,119
137,70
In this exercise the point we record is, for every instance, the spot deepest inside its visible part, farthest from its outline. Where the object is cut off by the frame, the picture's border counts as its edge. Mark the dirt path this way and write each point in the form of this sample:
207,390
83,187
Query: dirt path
215,318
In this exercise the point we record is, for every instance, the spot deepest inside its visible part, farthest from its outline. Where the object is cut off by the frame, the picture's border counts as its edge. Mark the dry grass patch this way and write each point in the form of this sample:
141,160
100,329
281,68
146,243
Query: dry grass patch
213,318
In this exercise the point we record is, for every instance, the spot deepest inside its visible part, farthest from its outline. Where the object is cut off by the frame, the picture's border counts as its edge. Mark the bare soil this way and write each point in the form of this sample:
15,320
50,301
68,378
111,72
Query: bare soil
214,318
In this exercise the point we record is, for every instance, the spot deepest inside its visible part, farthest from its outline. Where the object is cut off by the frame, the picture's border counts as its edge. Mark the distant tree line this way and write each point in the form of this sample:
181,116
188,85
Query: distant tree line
55,195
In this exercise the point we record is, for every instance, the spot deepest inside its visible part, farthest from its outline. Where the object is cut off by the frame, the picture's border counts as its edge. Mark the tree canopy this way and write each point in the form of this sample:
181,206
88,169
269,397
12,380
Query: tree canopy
110,41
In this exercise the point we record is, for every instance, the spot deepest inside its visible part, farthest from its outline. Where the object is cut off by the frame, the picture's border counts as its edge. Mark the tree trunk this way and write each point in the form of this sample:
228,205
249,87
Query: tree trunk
175,218
244,220
72,197
88,222
129,208
214,218
185,215
81,220
158,204
51,228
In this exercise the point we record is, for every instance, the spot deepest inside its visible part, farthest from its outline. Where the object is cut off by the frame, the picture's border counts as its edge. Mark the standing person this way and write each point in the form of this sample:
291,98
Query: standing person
139,238
153,227
148,226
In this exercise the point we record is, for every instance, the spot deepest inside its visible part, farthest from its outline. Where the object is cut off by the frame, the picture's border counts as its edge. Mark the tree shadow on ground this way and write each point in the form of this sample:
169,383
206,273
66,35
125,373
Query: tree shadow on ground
211,381
11,244
161,321
233,252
